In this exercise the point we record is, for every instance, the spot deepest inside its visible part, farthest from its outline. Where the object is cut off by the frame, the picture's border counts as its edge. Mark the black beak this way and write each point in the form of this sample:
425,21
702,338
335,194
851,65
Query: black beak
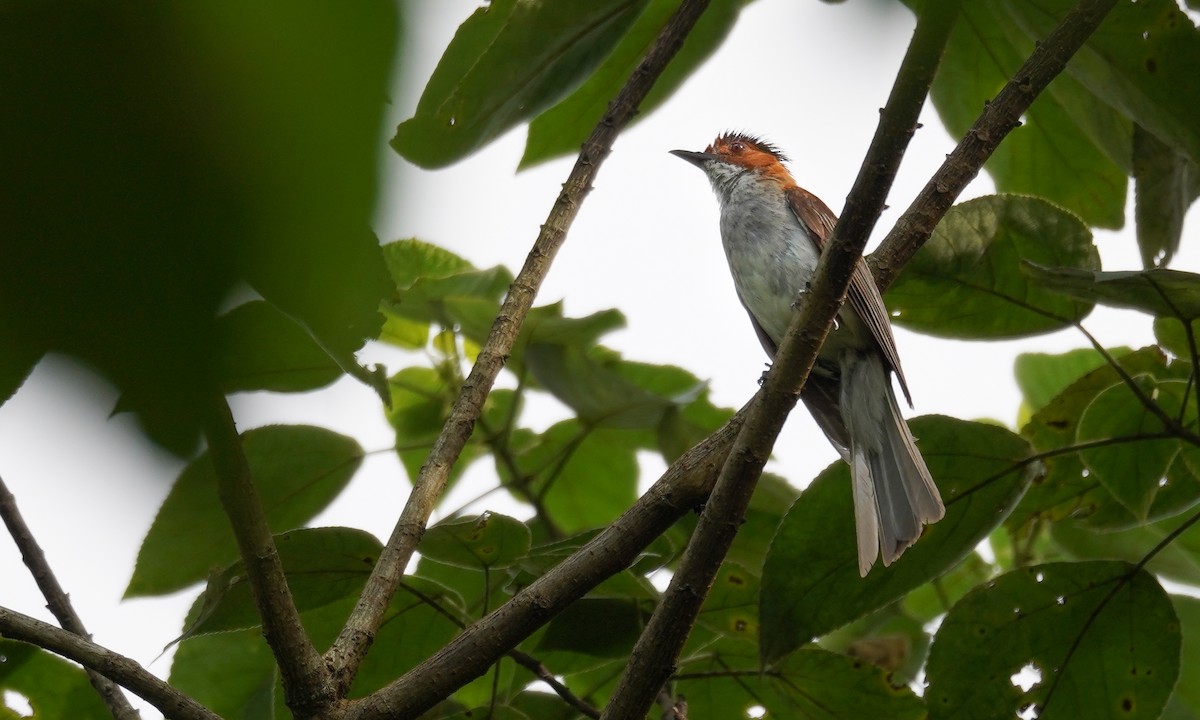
699,159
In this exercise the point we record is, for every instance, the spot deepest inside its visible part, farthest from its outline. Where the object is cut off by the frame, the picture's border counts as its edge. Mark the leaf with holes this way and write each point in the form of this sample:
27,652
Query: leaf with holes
1102,638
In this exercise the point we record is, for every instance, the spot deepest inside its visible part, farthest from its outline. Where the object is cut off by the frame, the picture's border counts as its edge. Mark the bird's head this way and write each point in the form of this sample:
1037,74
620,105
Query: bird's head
734,157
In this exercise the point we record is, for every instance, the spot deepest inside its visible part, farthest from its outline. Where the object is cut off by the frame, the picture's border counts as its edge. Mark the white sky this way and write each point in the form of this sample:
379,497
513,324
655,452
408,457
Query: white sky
809,76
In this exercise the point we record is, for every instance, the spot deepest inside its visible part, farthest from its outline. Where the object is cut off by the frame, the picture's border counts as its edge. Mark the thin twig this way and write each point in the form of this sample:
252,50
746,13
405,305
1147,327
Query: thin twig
126,672
57,600
998,118
348,651
306,684
657,650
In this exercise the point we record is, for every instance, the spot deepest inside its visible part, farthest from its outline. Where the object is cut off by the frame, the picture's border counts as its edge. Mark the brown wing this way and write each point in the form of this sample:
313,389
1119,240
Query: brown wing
863,294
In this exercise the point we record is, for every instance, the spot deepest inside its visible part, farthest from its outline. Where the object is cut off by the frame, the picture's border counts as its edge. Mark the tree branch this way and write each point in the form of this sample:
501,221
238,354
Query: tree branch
657,650
683,487
56,599
351,646
306,681
1000,117
172,703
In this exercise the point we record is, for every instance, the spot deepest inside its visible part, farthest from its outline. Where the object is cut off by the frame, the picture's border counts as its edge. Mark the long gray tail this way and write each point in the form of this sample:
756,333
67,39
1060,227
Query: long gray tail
894,495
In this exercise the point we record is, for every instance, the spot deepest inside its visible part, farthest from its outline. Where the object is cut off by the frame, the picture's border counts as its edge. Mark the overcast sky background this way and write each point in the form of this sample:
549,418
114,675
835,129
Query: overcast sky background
808,76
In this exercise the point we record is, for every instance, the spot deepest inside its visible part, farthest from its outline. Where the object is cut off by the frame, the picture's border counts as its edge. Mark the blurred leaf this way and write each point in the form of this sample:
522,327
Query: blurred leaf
1071,149
421,402
1166,184
158,155
1042,376
1179,561
298,470
596,627
1102,637
981,473
1141,61
233,674
322,565
263,349
490,712
931,600
588,384
507,63
967,281
1135,472
563,128
487,541
1172,336
1185,701
1159,292
811,684
626,584
53,687
582,478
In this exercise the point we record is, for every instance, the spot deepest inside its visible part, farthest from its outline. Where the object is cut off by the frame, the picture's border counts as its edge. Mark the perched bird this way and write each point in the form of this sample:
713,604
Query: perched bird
774,232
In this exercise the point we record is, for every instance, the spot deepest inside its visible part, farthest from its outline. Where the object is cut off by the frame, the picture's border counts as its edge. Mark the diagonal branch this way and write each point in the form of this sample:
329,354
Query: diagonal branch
657,651
306,685
682,487
348,651
57,600
171,702
998,118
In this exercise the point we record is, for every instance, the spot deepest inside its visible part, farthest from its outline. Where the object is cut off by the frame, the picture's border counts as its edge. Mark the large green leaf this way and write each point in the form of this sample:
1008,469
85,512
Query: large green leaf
487,541
1042,376
967,280
508,62
1136,472
1179,561
1141,61
157,156
563,128
233,674
1185,701
812,684
1071,149
322,565
981,473
1159,292
1066,489
53,687
297,471
1102,638
263,349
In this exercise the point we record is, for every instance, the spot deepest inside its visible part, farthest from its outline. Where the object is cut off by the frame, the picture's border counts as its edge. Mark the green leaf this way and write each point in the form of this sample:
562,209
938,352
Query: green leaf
811,684
1141,61
298,470
1159,292
967,281
409,260
263,349
322,565
1071,149
1166,184
1172,336
1179,561
507,63
162,157
1042,376
1066,489
595,627
981,474
421,401
488,541
1134,472
1185,701
1102,637
583,478
589,385
53,687
731,607
563,128
233,674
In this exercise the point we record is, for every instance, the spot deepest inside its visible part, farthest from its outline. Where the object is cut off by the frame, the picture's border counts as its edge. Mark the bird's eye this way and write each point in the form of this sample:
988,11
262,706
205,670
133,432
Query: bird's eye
736,148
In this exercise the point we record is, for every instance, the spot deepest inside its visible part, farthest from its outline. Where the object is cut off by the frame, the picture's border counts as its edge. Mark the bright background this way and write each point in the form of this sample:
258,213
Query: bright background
808,76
